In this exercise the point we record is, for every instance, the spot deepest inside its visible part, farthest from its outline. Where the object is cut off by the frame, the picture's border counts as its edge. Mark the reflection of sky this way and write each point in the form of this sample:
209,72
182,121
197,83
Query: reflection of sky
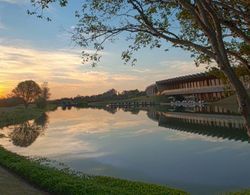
134,147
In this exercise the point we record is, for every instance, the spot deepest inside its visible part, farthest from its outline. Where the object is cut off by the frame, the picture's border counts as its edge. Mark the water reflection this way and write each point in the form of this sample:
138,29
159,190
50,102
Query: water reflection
202,122
193,149
23,135
2,135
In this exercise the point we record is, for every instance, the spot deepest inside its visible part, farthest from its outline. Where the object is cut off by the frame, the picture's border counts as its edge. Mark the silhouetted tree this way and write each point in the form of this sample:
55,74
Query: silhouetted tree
27,91
44,96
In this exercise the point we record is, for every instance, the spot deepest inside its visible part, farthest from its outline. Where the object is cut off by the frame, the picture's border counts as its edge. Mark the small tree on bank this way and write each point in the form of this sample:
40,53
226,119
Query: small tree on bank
42,100
213,30
27,91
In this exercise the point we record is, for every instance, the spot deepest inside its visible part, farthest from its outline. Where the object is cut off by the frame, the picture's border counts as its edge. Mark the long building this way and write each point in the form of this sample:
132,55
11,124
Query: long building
201,86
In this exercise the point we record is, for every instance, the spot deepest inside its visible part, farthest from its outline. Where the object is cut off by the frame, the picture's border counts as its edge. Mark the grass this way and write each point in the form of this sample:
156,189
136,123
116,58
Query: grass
18,114
57,181
244,192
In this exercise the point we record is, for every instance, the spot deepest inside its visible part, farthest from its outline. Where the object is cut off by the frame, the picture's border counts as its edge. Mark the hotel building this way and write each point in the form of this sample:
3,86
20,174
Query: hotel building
201,86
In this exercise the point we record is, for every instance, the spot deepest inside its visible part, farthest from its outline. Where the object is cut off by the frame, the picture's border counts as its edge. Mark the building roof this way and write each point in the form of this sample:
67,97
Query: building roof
186,78
150,86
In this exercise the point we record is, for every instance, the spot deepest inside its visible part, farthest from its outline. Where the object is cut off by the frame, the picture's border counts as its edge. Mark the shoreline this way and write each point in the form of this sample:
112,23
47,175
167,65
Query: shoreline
56,181
15,115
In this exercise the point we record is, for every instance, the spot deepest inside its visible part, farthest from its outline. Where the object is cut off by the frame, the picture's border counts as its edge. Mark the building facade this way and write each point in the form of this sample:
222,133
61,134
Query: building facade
201,86
151,90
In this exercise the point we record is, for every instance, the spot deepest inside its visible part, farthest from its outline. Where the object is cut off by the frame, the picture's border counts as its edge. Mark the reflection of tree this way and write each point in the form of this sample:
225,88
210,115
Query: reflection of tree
132,110
25,134
110,110
42,121
66,107
2,135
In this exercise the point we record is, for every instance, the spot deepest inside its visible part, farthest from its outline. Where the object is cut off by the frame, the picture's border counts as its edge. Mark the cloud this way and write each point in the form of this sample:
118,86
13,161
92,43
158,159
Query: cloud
176,68
75,131
15,1
61,68
67,77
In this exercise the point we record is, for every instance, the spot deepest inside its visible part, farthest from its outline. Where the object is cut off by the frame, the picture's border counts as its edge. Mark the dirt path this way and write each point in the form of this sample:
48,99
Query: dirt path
12,185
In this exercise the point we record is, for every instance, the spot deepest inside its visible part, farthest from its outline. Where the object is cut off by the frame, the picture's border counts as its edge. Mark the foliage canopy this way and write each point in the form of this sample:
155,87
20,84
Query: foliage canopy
193,25
28,91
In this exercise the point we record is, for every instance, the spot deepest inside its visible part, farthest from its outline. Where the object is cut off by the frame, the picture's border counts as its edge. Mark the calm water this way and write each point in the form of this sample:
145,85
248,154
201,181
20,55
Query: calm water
201,153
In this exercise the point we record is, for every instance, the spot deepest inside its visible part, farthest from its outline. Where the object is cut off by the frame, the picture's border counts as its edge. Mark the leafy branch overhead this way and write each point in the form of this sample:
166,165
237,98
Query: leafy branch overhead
191,25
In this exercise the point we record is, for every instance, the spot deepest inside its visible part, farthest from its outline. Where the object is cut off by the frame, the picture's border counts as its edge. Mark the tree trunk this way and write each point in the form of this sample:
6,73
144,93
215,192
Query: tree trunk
26,105
241,93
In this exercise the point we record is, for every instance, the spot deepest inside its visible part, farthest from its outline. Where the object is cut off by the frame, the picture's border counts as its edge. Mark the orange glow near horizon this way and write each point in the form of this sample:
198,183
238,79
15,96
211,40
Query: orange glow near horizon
5,89
2,92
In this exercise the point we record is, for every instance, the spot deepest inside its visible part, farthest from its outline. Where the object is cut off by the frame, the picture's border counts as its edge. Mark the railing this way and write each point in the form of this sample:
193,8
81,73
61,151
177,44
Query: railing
216,119
208,89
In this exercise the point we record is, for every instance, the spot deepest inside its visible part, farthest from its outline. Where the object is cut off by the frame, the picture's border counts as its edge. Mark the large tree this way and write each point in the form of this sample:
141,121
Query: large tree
27,91
213,30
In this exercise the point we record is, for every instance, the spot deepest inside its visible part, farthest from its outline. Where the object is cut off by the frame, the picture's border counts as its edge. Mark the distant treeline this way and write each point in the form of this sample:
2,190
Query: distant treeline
109,95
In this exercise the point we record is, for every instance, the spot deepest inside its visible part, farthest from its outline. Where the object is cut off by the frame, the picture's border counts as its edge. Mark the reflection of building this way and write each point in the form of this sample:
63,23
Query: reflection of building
229,127
153,115
201,86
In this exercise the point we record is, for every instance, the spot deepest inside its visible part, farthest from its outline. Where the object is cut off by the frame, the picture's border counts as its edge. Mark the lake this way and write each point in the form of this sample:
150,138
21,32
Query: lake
201,151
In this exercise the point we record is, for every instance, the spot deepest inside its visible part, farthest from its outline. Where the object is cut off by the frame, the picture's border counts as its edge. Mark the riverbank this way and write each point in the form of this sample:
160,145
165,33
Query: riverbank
19,114
56,181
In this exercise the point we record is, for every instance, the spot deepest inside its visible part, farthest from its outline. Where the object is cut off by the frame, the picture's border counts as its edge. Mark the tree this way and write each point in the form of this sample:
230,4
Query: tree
27,91
44,96
25,134
213,30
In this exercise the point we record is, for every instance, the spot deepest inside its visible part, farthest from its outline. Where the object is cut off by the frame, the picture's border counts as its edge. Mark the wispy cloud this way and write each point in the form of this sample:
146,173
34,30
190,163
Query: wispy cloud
179,68
61,68
15,1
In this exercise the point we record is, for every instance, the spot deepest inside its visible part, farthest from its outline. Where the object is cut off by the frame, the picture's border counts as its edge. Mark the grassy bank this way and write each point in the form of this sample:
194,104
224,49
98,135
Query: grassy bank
244,192
18,114
64,182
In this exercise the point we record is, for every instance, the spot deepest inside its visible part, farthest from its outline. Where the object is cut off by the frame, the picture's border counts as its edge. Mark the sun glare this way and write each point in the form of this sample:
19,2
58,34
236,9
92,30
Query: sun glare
2,91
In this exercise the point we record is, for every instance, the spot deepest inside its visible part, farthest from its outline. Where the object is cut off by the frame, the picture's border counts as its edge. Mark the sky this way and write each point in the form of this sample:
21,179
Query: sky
34,49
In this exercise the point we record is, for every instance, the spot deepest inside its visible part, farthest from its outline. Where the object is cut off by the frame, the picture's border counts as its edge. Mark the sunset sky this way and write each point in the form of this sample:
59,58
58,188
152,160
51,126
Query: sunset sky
34,49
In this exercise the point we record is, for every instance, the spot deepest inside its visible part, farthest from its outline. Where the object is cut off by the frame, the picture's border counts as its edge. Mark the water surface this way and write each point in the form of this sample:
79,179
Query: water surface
201,153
